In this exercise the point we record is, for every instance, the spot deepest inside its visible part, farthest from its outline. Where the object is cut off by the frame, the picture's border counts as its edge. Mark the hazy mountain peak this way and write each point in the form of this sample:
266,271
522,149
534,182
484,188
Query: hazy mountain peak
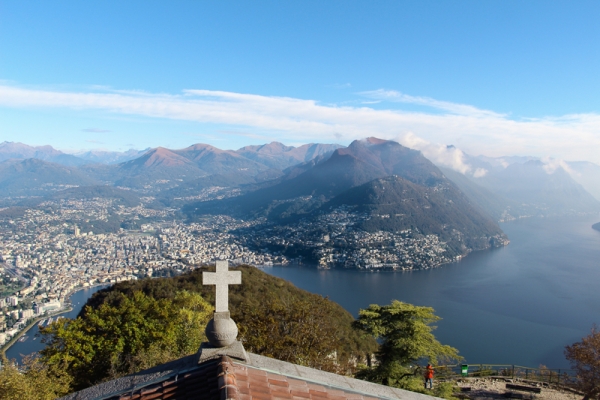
22,151
111,157
202,147
14,145
279,156
270,148
159,156
374,140
534,163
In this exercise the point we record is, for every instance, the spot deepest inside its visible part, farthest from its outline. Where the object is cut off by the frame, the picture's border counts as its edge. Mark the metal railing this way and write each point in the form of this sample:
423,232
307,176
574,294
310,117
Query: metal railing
560,377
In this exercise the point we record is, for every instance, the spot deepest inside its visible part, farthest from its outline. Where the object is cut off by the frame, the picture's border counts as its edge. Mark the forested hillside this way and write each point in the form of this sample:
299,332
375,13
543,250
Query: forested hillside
258,293
138,324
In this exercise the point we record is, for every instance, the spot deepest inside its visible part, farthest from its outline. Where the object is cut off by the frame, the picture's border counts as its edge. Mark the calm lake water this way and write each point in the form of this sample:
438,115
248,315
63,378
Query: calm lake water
34,343
520,304
516,305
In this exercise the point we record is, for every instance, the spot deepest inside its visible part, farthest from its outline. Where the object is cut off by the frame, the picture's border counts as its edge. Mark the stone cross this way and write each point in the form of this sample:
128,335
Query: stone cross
222,278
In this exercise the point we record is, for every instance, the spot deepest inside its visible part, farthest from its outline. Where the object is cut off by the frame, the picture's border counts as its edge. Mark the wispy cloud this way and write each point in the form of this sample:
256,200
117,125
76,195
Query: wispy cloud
551,165
476,131
346,85
454,108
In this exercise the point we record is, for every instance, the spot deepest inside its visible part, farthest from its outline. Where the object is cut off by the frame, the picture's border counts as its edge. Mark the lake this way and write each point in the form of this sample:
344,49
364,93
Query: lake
520,304
33,343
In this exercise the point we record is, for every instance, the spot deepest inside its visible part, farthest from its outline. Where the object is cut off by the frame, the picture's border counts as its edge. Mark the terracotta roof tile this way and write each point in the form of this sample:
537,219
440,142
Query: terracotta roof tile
317,395
279,382
300,394
284,394
279,389
262,396
318,388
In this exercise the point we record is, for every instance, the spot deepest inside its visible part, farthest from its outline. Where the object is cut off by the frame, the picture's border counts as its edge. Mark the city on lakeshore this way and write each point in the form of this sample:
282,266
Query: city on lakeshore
45,255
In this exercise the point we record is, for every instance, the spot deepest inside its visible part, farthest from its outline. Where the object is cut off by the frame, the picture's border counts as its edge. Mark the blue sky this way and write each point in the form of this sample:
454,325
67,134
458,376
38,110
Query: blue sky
491,77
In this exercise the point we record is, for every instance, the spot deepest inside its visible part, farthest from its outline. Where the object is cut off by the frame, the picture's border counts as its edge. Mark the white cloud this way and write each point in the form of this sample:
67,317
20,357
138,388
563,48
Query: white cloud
572,137
550,165
446,156
480,172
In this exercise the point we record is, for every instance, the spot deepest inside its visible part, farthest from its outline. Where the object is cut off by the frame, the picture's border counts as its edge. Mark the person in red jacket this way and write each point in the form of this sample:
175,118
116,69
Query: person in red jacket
429,376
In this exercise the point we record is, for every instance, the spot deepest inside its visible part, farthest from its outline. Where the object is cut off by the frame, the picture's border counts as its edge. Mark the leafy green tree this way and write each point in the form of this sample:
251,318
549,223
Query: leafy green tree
297,331
130,334
405,335
34,380
585,360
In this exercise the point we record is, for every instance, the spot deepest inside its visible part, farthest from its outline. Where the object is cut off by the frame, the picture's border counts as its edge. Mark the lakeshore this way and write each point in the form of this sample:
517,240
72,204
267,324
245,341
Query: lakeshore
24,331
14,349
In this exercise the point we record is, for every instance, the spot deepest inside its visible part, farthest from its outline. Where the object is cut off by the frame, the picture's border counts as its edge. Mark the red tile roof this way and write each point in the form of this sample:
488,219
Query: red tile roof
202,383
225,379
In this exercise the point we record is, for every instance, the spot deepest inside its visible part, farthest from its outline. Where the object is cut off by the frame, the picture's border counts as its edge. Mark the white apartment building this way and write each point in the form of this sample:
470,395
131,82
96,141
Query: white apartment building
12,301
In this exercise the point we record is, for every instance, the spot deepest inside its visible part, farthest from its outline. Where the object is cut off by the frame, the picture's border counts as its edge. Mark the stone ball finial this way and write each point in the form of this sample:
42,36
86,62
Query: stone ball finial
221,331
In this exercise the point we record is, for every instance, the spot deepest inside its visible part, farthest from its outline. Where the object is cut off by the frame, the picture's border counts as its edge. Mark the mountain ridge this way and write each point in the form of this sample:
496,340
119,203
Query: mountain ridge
21,151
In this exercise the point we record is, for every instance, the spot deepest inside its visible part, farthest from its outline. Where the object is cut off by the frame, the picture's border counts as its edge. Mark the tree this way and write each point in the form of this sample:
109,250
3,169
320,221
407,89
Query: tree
297,331
585,360
405,335
129,335
33,380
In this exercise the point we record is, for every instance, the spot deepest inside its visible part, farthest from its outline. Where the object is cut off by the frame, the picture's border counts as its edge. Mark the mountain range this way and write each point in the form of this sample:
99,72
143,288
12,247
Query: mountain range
20,151
286,183
182,171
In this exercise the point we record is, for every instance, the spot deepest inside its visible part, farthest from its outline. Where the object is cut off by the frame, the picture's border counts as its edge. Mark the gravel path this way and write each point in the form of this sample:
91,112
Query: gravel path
490,388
